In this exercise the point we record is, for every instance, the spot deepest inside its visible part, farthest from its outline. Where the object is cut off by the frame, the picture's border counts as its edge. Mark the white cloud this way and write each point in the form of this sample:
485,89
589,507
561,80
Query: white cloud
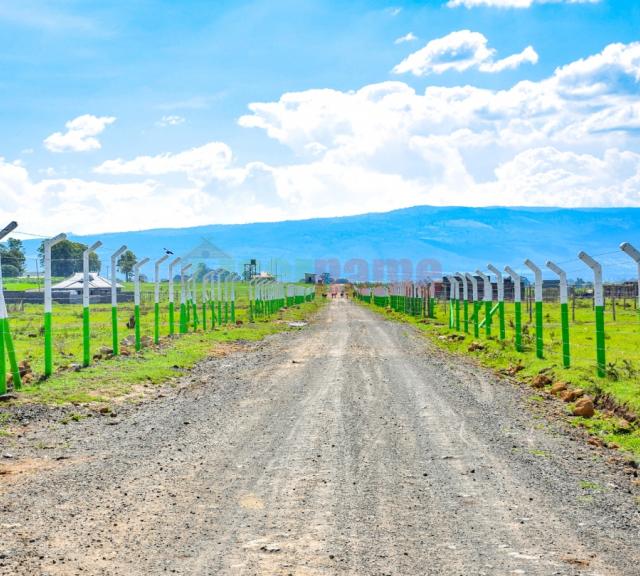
410,37
198,164
572,139
513,3
80,135
171,120
460,51
394,10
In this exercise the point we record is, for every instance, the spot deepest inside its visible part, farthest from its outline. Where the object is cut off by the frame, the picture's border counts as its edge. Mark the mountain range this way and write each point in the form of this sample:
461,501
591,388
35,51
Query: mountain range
456,238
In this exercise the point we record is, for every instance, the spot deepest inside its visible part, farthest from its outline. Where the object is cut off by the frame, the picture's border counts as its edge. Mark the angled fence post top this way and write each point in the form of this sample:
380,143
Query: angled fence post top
631,251
474,284
8,229
563,280
499,279
487,296
517,287
55,240
598,292
140,264
465,287
119,252
538,278
93,247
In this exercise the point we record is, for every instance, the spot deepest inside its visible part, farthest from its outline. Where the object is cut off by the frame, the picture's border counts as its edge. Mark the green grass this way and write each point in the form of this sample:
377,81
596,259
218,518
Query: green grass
120,376
623,355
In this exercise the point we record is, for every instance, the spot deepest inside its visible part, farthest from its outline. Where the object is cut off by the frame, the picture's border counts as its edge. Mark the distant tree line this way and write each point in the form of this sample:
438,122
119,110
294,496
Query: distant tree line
66,258
13,258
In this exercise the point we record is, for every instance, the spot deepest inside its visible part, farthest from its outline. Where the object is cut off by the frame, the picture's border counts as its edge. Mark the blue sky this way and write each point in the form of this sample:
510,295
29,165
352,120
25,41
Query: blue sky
167,134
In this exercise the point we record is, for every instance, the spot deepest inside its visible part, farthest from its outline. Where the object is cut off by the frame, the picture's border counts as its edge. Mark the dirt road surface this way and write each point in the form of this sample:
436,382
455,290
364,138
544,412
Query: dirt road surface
350,447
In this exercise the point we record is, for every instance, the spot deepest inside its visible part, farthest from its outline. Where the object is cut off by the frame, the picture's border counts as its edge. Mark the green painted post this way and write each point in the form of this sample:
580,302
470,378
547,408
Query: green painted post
518,323
184,303
171,297
86,343
136,300
488,299
3,361
517,300
156,305
476,305
564,313
114,300
86,292
539,317
48,334
8,342
233,303
465,304
500,283
598,296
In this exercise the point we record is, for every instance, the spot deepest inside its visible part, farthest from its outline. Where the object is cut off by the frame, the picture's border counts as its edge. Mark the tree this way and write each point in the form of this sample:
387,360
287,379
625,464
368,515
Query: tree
126,262
66,258
13,258
200,271
10,271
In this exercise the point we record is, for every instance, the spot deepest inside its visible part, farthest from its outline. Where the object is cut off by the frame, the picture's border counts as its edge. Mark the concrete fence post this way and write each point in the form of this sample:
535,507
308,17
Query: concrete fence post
476,304
564,312
86,300
136,300
172,264
156,304
48,320
488,299
500,282
517,304
538,296
115,345
598,297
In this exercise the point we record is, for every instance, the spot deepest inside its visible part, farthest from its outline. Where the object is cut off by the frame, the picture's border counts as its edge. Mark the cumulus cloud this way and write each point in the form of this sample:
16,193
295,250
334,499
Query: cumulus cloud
198,164
80,135
410,37
513,3
460,51
571,139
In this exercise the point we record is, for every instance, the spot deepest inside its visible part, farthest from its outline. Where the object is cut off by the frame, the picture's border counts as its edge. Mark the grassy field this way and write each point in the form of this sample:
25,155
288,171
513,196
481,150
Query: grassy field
114,377
622,382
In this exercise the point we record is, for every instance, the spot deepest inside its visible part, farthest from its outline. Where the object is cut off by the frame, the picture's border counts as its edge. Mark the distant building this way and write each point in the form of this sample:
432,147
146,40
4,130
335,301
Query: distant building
75,283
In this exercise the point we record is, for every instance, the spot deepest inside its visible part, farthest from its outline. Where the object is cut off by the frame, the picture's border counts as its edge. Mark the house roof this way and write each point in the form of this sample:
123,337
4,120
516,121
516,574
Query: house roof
76,282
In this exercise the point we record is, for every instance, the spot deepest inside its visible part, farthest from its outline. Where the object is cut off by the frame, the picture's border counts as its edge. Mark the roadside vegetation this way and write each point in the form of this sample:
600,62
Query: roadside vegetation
616,396
111,377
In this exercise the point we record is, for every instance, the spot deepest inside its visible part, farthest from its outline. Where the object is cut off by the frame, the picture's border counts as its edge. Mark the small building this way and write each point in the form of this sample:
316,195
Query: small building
70,290
75,283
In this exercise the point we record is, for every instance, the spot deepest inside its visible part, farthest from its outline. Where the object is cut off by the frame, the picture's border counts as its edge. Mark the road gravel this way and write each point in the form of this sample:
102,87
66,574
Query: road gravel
351,446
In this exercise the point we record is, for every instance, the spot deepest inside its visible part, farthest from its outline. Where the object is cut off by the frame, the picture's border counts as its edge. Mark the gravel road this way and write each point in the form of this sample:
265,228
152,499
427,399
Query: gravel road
352,446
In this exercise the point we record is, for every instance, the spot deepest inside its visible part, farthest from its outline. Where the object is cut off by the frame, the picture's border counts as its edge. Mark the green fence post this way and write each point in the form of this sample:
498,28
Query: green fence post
476,304
517,302
86,296
48,335
184,303
233,303
3,361
539,317
136,300
114,300
500,282
598,296
488,299
564,313
156,301
465,303
171,297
